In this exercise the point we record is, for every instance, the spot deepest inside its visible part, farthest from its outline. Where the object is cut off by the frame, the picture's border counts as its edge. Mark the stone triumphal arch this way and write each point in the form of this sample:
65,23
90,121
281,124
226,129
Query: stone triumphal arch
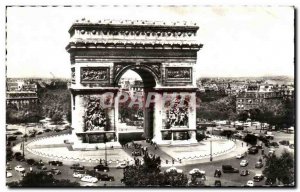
163,54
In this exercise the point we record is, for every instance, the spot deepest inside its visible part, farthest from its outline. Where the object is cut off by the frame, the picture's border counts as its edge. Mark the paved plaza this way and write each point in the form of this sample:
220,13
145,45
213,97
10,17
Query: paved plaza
54,147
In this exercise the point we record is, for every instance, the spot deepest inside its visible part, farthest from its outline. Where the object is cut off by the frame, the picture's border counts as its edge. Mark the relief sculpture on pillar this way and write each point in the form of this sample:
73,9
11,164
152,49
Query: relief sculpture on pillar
177,113
95,116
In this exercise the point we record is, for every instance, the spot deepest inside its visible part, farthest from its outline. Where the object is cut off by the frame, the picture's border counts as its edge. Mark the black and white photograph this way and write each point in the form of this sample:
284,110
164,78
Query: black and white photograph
144,96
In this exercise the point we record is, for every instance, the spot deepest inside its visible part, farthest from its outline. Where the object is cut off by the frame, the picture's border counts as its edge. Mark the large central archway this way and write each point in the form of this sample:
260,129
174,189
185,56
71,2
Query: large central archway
162,54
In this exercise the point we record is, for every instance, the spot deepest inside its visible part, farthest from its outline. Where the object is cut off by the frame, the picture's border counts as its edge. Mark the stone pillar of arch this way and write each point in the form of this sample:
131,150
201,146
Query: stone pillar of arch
163,54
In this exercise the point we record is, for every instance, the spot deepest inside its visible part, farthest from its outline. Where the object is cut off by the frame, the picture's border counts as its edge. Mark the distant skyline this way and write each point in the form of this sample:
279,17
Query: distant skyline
238,41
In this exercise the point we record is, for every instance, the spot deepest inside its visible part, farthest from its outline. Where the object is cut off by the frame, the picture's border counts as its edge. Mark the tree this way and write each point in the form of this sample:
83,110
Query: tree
57,118
149,174
243,116
281,169
41,179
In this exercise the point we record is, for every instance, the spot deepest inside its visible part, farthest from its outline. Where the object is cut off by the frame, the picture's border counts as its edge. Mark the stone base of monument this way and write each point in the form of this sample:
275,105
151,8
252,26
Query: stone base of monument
95,146
176,142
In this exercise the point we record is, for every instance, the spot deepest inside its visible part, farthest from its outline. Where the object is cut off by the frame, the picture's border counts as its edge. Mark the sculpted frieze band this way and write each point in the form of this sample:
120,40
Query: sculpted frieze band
94,74
179,74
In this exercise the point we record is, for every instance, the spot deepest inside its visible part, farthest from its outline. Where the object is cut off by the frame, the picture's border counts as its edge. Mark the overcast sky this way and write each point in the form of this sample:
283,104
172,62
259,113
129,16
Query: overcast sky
238,41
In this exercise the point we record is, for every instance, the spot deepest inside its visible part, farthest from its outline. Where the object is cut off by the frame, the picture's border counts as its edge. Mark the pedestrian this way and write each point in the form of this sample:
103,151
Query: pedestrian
167,161
30,169
173,161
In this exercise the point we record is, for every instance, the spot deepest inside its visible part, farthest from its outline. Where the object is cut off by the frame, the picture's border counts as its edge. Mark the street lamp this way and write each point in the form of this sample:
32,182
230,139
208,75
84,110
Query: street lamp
105,149
211,158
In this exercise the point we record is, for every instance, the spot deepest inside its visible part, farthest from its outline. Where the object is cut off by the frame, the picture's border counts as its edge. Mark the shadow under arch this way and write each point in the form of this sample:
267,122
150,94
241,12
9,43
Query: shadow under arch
149,78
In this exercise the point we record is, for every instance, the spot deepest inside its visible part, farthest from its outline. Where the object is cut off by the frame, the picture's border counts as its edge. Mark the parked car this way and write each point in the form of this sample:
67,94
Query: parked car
90,179
244,163
19,168
56,163
8,174
258,177
101,167
244,172
105,177
250,183
259,164
77,166
55,171
78,174
174,170
218,183
229,169
121,165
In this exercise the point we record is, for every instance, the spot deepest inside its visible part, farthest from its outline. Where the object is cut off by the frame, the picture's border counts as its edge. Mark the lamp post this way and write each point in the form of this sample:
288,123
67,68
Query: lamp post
211,158
105,152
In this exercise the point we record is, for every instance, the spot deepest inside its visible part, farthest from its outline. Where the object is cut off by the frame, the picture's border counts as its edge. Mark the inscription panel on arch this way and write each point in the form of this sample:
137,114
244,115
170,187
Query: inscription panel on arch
178,74
94,75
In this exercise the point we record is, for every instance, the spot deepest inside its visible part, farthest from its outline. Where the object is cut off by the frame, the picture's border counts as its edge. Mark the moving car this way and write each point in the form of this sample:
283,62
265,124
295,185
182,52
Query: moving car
174,170
77,166
284,142
240,156
259,164
55,171
56,163
8,167
218,173
268,182
101,168
42,167
8,174
229,169
244,172
250,183
244,163
30,161
90,179
19,168
258,177
253,150
121,165
274,144
105,177
78,174
198,173
218,183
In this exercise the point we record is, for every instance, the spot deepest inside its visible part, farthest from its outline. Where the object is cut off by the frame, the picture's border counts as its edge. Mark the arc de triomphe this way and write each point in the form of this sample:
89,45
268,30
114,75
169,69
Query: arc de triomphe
163,54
